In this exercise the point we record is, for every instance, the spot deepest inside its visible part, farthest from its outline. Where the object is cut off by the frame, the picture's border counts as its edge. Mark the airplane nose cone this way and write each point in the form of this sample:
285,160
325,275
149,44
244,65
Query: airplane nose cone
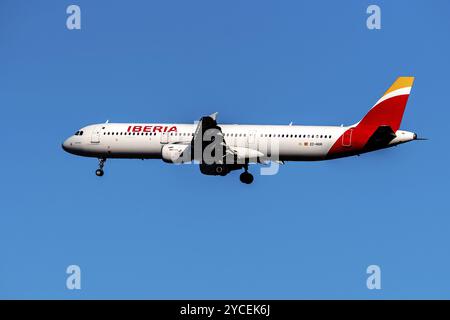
66,145
415,136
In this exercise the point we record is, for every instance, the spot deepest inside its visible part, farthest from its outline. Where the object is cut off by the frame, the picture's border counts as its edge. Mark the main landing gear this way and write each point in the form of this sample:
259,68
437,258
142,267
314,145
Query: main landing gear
246,177
101,163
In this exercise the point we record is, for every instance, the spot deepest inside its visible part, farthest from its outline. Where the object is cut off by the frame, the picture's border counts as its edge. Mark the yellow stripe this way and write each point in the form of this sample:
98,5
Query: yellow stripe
401,82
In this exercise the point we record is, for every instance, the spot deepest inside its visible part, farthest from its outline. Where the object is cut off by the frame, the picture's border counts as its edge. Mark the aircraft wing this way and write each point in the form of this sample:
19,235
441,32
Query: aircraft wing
242,153
198,143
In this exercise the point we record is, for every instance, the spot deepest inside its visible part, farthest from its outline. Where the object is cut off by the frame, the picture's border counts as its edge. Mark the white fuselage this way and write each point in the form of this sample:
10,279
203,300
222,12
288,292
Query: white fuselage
145,141
221,148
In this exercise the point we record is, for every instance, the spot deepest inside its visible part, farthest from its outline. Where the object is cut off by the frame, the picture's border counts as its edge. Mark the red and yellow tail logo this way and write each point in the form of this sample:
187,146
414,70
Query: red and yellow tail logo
388,111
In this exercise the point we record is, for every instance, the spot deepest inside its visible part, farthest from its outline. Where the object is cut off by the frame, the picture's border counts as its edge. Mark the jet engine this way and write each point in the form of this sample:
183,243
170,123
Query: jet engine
219,169
173,153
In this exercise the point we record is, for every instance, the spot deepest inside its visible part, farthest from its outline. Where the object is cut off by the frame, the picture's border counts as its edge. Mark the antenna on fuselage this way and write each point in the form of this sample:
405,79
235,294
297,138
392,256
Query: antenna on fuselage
107,121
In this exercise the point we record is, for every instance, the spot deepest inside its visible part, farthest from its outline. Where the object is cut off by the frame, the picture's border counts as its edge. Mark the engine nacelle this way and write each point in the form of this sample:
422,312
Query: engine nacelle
173,153
214,169
219,169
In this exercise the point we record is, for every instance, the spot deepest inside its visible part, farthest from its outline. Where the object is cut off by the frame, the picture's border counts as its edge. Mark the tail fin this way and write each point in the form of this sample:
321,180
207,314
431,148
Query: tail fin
388,111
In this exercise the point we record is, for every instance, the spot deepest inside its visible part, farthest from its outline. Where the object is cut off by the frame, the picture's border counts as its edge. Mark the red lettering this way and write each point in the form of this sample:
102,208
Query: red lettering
152,128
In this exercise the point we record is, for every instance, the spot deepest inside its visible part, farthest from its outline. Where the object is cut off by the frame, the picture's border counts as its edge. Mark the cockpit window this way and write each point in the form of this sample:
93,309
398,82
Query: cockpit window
77,133
81,132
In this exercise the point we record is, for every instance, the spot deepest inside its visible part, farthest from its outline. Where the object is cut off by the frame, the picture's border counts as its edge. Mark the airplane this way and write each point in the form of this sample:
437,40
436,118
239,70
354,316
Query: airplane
233,147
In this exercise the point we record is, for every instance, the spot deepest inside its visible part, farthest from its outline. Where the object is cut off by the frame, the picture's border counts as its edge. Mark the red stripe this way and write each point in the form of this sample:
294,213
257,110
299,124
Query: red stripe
387,113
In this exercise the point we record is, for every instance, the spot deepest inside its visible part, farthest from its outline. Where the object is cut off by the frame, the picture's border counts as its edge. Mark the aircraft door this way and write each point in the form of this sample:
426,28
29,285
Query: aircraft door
264,145
231,139
95,136
347,138
252,139
164,137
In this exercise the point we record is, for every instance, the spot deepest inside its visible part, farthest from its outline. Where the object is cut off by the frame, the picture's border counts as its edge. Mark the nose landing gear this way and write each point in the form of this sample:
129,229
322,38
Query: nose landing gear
101,163
246,177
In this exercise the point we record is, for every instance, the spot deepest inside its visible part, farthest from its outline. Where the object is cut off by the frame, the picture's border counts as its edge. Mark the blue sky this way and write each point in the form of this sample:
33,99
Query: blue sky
151,230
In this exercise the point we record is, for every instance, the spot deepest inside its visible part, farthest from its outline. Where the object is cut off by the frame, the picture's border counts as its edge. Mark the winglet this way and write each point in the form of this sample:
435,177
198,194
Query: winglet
214,116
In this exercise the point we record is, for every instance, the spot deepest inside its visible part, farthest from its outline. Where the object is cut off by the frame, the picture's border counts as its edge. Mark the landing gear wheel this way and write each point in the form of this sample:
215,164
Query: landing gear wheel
101,163
246,177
